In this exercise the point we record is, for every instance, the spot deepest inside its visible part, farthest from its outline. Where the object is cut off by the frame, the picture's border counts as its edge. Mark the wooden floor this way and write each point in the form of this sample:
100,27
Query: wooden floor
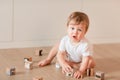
107,57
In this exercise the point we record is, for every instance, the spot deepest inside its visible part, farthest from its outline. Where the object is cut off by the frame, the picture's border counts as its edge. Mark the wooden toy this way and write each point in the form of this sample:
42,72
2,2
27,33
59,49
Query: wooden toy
37,78
28,59
70,73
99,75
28,65
90,72
57,65
38,52
11,71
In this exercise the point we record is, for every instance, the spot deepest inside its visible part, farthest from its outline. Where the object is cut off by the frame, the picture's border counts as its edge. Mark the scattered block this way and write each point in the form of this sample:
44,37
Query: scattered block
57,65
38,52
37,78
70,73
11,71
28,65
99,75
28,59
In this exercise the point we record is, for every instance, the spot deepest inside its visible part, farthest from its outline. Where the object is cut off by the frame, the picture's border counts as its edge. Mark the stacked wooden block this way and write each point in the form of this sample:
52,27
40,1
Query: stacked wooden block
90,72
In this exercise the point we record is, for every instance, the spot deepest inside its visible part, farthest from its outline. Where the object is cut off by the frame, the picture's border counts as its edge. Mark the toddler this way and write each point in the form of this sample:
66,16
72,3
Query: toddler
74,50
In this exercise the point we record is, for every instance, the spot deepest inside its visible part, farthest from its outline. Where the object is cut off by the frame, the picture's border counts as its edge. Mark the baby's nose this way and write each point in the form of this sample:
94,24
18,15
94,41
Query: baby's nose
75,31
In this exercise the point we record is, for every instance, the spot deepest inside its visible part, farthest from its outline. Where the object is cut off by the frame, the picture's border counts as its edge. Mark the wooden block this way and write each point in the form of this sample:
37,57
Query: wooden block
11,71
57,65
99,75
88,72
92,72
69,73
8,72
28,59
28,65
38,52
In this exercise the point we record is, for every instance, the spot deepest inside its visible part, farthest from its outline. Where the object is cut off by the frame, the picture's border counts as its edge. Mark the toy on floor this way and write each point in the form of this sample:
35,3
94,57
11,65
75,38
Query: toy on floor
37,78
38,52
28,63
69,73
99,75
11,71
28,59
57,65
90,72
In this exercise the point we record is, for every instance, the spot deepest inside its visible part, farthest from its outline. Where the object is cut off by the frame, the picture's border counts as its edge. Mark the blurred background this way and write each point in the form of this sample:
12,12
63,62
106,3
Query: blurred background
36,23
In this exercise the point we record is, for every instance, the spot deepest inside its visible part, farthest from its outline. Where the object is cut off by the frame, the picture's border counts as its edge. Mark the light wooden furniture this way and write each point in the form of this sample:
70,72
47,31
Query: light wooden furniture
107,57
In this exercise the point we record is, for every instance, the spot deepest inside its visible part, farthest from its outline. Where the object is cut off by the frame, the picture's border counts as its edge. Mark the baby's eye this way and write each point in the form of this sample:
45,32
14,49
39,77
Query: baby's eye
72,28
79,29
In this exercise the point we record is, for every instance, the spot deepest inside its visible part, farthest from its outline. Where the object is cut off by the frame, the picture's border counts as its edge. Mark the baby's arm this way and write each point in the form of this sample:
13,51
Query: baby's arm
50,56
61,58
83,67
84,64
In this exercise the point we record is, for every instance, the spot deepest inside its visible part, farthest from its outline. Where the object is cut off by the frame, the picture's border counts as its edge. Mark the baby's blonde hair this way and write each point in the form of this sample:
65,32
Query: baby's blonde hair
79,17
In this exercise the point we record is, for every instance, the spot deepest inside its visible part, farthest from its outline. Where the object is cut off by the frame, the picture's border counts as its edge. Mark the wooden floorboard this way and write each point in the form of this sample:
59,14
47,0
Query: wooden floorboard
107,57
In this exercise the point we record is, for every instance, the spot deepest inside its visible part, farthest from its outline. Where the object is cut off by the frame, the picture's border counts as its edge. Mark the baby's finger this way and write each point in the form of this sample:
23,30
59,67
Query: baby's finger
77,75
67,69
63,71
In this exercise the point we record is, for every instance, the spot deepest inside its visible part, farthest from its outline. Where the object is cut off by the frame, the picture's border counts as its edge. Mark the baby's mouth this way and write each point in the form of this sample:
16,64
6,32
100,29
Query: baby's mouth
74,36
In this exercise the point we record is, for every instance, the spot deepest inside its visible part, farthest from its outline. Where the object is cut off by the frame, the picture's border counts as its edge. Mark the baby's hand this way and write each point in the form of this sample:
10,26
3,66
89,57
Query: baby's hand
77,74
44,62
66,68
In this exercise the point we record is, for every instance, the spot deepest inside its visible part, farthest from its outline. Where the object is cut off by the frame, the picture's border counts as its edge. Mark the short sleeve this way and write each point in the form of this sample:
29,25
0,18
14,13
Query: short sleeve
87,50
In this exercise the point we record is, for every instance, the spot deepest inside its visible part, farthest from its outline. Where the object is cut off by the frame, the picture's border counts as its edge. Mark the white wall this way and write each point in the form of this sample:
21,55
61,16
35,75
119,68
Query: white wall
5,21
105,20
34,23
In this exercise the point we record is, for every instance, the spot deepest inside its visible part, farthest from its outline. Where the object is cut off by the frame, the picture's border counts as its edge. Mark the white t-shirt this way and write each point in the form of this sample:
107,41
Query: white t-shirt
75,52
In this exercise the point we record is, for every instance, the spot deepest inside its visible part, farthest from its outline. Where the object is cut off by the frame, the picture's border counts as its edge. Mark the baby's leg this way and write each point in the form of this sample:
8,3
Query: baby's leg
91,64
75,65
50,56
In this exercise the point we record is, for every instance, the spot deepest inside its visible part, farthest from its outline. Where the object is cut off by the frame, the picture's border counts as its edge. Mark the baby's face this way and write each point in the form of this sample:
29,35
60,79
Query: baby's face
76,31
